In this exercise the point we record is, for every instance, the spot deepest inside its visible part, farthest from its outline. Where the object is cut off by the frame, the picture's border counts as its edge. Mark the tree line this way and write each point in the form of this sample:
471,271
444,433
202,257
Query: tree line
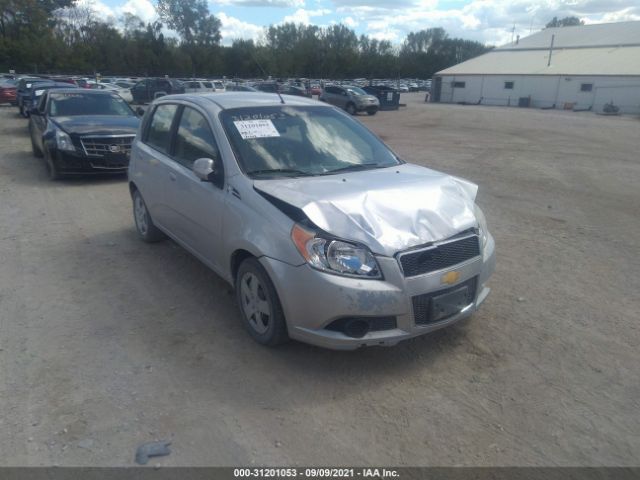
59,36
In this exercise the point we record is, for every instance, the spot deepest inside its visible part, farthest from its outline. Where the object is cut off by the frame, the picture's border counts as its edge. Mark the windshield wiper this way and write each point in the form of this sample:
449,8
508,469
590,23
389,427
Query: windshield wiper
294,172
354,167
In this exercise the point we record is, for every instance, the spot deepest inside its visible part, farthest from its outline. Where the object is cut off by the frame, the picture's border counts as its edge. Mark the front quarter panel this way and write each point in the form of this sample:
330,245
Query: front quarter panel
253,224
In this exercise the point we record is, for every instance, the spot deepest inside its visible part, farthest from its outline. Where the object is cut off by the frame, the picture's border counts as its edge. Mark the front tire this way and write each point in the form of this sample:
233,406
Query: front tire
351,109
36,151
52,170
144,224
259,304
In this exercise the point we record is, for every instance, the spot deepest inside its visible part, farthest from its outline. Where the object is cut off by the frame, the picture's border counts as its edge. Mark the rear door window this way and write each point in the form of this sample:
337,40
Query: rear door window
159,131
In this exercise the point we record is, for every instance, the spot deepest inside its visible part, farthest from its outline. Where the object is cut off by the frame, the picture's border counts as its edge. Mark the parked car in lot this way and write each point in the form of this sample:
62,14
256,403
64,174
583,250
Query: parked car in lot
8,91
80,131
271,87
327,236
241,88
23,89
196,86
125,93
32,97
149,89
352,99
296,91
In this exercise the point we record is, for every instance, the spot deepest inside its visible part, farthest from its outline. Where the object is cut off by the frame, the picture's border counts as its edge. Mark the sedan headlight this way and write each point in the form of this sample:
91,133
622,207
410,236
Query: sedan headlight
482,225
63,142
334,256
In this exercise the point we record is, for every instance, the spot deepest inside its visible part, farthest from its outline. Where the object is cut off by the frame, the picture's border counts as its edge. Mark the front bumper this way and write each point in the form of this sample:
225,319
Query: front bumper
368,107
312,300
76,163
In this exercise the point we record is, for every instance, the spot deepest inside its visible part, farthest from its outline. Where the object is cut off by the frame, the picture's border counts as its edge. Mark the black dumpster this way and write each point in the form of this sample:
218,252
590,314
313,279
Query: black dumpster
388,97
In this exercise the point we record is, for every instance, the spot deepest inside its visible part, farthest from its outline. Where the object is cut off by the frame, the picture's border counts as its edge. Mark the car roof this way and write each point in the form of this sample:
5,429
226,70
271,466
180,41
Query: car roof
227,100
58,84
84,91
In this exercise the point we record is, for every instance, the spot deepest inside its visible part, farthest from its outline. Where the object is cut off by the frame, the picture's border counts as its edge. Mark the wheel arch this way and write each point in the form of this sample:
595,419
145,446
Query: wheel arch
237,257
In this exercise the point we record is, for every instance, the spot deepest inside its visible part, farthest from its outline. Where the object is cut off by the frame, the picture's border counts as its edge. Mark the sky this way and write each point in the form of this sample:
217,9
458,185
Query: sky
492,22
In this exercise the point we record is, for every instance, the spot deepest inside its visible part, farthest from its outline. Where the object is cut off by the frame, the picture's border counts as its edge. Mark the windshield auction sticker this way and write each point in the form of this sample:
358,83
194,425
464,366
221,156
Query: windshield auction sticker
256,129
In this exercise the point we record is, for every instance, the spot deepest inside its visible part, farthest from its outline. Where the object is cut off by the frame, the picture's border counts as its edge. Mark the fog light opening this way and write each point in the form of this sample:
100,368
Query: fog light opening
356,328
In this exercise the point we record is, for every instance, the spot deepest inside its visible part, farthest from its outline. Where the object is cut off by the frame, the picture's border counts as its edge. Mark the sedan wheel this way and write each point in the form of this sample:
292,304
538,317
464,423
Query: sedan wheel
144,224
351,109
255,303
259,304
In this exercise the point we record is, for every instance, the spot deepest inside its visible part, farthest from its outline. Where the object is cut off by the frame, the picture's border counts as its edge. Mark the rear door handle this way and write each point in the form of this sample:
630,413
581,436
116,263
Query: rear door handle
172,176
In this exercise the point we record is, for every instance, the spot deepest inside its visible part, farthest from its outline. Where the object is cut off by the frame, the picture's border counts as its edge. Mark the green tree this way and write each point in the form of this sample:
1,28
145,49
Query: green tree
192,20
564,22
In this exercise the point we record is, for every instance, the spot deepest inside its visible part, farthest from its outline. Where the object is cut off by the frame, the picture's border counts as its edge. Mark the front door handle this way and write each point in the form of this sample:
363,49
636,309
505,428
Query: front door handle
172,176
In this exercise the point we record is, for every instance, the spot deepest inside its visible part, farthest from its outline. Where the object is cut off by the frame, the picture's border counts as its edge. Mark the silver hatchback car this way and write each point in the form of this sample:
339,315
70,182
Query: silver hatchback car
327,236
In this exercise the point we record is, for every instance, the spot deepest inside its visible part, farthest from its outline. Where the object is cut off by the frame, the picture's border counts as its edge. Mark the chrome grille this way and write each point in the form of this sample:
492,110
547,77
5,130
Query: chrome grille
107,145
439,256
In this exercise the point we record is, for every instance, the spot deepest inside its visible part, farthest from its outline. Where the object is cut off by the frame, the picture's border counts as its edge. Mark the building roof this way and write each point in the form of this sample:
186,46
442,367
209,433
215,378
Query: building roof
600,49
581,36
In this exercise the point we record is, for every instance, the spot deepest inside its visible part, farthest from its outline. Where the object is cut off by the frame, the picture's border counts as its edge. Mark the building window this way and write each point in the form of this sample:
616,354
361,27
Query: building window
459,84
508,85
586,87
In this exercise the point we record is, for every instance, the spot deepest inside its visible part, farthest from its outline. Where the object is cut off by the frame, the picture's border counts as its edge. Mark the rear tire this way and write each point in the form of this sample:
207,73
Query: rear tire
259,304
371,112
144,224
351,108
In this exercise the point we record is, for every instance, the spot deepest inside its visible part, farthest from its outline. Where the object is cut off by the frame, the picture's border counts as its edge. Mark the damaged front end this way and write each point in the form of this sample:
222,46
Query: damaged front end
406,249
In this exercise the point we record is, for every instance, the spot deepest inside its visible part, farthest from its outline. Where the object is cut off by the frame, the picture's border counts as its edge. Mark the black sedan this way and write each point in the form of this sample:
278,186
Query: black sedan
81,131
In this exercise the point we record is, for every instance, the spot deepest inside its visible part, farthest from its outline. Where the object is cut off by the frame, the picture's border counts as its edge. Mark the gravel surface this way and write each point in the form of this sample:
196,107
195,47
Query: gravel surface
107,343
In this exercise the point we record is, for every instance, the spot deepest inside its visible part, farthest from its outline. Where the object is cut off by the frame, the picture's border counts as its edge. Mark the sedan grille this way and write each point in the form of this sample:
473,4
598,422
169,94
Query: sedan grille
102,146
439,256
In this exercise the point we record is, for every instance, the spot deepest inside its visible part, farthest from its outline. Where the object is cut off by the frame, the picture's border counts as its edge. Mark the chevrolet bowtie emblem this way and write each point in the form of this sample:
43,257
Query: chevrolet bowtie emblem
450,278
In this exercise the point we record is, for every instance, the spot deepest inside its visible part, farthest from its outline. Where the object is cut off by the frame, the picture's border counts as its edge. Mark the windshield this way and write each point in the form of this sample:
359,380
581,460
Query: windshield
355,90
69,104
278,141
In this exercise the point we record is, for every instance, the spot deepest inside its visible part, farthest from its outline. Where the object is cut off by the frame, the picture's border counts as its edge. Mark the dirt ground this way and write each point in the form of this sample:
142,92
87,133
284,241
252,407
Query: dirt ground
107,342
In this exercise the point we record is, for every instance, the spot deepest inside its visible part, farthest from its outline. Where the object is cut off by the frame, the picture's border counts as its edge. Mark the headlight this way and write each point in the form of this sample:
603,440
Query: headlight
335,256
482,225
63,141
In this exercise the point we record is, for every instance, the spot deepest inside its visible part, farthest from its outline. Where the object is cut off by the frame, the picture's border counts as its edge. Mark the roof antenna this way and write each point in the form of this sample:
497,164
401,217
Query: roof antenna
265,74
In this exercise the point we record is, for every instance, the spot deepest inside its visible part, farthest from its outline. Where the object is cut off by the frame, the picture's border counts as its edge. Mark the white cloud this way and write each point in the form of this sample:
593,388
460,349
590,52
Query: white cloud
262,3
487,21
350,22
141,8
99,9
304,16
234,29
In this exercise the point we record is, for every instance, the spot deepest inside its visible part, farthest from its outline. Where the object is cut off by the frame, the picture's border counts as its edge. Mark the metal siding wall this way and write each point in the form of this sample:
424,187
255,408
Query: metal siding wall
545,91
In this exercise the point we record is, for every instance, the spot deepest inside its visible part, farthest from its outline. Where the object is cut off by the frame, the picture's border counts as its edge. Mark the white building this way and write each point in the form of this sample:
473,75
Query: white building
582,67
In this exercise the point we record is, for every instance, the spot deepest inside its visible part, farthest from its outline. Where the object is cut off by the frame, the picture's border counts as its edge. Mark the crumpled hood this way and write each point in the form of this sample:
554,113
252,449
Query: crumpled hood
388,209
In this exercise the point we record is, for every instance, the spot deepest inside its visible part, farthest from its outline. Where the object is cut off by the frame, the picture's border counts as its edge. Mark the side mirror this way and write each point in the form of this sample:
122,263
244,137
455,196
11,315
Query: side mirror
140,111
205,169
